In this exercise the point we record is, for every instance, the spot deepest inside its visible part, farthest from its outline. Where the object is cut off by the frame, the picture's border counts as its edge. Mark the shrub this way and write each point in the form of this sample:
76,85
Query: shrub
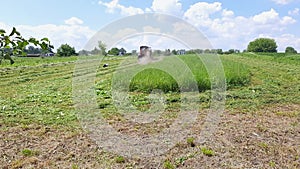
66,50
290,50
262,45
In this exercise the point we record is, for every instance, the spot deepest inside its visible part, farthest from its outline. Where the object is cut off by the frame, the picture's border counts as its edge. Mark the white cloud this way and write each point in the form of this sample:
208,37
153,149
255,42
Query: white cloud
199,13
111,6
282,2
287,20
151,29
148,10
294,12
203,9
114,5
227,13
74,21
221,25
272,17
288,40
267,17
173,7
7,28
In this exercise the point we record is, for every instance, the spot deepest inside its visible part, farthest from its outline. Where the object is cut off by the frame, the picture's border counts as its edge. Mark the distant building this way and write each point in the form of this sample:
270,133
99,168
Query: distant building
181,52
33,55
49,54
39,55
122,52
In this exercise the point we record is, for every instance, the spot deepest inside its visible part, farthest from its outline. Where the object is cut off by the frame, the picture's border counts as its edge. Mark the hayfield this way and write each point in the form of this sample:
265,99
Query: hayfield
259,129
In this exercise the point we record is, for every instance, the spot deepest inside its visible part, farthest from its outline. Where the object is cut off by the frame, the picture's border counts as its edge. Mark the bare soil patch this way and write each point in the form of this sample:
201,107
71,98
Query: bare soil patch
268,138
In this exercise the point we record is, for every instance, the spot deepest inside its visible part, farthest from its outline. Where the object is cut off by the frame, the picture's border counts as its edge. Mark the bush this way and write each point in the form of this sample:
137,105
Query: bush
66,50
262,45
114,51
290,50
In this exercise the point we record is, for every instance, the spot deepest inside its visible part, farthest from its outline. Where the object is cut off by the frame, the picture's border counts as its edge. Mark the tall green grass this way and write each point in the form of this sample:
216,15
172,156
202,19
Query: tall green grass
183,76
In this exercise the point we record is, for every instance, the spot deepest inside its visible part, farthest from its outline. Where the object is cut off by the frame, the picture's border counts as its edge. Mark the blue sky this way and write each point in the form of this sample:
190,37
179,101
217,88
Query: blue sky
226,23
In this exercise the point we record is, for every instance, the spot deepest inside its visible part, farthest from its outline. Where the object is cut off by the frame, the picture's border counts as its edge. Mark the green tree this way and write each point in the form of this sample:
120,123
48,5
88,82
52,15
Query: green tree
102,47
207,51
219,51
114,51
174,52
230,51
66,50
33,50
262,45
14,44
290,50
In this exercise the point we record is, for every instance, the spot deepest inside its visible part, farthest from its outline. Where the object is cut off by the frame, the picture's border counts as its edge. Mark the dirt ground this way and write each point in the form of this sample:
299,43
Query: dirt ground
268,138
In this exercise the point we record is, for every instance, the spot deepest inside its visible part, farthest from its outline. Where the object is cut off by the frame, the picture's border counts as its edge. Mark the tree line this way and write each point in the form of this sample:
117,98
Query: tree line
14,44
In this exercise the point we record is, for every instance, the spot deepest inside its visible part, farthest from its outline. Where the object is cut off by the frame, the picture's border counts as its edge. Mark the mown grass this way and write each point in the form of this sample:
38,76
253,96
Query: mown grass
274,80
42,95
35,94
30,61
39,94
293,59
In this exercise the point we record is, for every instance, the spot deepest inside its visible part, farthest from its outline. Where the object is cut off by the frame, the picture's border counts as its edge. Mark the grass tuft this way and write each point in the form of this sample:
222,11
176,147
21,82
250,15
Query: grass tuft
207,152
168,165
27,152
120,159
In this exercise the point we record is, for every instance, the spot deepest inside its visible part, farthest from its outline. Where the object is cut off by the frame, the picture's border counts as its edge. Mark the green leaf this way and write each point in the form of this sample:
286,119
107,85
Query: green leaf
24,53
13,43
34,41
20,38
7,40
13,31
26,43
45,39
2,31
44,46
22,44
